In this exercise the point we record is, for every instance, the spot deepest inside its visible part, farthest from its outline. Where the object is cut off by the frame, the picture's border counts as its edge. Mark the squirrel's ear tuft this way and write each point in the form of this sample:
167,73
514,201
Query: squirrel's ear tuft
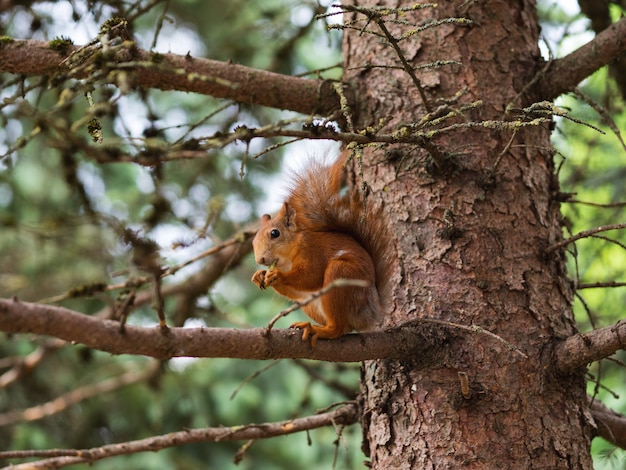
289,214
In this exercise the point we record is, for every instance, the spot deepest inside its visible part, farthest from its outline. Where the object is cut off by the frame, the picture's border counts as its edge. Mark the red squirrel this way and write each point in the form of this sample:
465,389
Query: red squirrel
326,230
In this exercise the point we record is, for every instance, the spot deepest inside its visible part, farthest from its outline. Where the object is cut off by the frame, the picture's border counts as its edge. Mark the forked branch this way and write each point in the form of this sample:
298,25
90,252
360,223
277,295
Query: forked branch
584,234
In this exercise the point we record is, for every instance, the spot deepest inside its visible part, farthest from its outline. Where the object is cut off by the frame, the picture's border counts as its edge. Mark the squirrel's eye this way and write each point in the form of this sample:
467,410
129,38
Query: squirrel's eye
274,234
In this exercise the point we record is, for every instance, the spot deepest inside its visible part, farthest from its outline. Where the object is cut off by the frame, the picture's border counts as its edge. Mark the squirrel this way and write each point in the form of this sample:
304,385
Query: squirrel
326,230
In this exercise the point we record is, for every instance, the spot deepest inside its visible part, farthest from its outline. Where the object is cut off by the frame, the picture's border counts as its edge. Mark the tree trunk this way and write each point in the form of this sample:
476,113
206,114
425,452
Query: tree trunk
471,220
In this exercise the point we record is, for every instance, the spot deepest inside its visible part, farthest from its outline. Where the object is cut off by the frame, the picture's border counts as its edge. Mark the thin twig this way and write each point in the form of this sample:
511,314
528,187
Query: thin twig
610,240
476,329
504,151
584,234
253,376
298,304
604,114
594,285
596,204
169,271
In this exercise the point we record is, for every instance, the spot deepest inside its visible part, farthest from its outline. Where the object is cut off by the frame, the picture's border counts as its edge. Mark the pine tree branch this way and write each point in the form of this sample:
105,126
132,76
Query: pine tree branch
579,350
611,425
176,72
345,415
254,343
566,73
584,234
595,285
417,339
600,15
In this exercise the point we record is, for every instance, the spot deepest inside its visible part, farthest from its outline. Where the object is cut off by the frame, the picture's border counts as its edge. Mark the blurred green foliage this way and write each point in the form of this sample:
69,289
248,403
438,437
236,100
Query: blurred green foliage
62,215
592,172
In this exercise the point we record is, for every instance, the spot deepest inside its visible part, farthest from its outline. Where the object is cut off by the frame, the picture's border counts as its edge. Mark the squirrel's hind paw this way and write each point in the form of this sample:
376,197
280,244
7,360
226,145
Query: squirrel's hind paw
307,329
317,331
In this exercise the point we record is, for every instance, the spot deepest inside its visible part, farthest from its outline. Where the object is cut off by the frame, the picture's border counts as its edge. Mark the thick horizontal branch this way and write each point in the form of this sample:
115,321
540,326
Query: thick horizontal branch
599,13
255,343
184,73
345,415
582,349
566,73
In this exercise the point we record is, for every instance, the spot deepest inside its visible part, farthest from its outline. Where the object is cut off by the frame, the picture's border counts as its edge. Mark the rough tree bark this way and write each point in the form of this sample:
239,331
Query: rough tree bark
470,229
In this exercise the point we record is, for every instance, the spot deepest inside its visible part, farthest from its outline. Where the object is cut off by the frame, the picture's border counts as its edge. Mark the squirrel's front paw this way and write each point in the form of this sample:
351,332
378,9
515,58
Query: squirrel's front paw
270,277
258,278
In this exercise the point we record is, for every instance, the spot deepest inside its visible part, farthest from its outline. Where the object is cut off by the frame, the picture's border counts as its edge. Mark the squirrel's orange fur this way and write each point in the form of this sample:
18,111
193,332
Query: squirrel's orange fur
326,231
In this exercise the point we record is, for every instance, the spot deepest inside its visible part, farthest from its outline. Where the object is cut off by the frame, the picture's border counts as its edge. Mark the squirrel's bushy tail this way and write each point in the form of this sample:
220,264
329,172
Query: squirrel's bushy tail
327,197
